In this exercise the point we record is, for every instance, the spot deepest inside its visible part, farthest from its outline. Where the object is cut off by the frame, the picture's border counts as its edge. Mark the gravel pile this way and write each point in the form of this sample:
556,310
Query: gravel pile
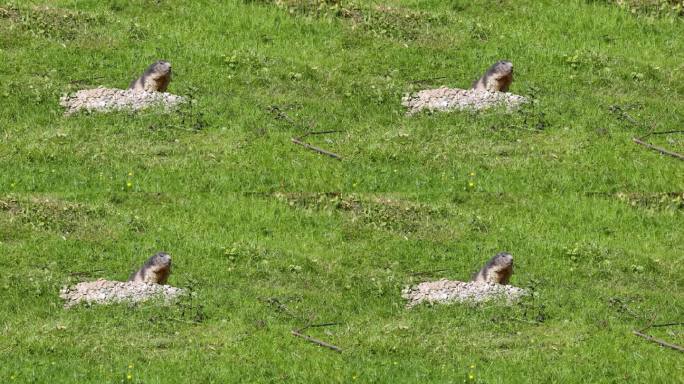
109,99
106,292
447,291
447,99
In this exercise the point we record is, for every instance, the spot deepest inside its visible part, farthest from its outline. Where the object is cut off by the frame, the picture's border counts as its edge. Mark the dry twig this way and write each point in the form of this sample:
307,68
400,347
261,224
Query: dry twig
662,133
280,115
624,115
316,149
296,332
658,341
661,150
318,325
666,324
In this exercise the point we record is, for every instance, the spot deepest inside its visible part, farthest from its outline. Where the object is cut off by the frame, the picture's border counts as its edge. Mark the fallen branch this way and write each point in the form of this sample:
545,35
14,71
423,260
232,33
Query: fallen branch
318,325
316,149
658,341
310,339
661,150
280,115
319,133
666,324
626,116
663,133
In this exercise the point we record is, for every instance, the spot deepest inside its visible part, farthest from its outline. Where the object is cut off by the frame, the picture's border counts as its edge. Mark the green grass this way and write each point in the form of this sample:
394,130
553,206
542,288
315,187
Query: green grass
270,236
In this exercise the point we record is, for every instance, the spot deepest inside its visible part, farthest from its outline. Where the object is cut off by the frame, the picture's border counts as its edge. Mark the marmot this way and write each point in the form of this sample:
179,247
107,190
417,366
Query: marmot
497,78
155,270
497,270
156,78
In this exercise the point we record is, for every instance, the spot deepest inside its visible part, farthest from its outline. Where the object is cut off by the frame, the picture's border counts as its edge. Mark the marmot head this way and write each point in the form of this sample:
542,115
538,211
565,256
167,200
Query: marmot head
502,67
502,260
161,67
161,258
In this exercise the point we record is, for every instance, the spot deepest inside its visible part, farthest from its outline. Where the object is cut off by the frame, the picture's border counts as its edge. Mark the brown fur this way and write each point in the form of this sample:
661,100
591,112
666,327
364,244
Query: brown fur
497,270
497,78
156,78
155,270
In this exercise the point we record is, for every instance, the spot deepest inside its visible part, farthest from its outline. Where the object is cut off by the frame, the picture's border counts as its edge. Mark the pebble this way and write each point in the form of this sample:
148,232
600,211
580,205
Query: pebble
448,291
448,99
106,292
110,99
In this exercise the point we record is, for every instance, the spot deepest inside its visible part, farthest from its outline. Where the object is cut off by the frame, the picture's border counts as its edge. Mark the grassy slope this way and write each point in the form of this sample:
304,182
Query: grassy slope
201,183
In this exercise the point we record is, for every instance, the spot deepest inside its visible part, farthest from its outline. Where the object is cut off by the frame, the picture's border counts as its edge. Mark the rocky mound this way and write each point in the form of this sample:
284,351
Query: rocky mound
448,291
447,99
106,292
109,99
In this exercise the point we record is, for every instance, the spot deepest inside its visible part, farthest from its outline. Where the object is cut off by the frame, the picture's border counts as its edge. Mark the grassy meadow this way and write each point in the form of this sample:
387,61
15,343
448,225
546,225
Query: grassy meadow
270,236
